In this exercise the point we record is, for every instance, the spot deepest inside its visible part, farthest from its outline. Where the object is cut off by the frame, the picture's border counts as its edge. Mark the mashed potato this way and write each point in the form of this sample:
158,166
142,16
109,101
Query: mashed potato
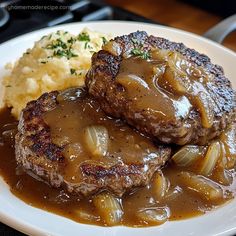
57,61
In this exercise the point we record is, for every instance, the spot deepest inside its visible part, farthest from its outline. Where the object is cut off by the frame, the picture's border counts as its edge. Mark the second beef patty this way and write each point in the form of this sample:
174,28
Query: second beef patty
67,140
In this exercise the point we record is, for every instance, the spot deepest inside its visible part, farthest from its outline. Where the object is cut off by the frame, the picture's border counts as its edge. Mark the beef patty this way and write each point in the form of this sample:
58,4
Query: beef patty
67,140
162,88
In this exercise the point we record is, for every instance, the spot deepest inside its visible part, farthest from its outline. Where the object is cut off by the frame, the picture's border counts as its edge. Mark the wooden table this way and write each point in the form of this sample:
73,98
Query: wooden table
176,14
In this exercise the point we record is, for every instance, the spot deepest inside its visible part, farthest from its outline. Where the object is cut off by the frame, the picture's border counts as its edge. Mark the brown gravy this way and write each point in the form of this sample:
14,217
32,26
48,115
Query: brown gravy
172,82
77,123
184,204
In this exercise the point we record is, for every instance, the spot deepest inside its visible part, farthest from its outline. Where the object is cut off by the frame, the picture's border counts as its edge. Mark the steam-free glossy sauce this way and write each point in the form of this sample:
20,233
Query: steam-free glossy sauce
186,203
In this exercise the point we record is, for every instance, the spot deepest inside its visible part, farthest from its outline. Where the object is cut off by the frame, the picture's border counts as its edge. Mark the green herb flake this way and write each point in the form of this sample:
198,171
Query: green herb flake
83,37
86,45
139,53
43,37
71,40
58,43
64,53
135,41
43,62
104,40
72,71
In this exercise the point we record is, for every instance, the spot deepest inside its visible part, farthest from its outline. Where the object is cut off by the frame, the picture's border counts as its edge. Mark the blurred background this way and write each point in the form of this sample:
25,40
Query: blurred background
197,16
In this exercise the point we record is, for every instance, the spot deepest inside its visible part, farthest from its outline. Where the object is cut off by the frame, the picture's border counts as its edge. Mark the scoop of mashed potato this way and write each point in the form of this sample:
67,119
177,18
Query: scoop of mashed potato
57,61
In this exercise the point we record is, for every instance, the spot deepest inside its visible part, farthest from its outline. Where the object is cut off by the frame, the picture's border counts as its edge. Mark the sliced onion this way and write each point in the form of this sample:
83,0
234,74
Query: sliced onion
188,154
113,47
205,105
160,185
10,126
211,158
154,214
72,151
224,177
228,146
109,208
96,138
9,135
174,193
86,216
203,186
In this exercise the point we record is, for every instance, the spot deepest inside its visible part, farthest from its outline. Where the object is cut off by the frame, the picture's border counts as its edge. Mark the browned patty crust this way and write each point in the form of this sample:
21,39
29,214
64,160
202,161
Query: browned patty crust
36,153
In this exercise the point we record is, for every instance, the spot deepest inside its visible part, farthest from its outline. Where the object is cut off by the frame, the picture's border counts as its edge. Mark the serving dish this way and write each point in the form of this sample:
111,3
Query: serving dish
34,221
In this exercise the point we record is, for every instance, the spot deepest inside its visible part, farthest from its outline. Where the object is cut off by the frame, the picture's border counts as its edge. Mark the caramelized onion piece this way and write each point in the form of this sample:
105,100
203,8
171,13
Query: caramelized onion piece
172,81
157,215
228,147
9,135
182,78
160,185
174,193
188,154
224,177
86,216
112,47
211,158
205,106
72,151
109,208
205,187
96,138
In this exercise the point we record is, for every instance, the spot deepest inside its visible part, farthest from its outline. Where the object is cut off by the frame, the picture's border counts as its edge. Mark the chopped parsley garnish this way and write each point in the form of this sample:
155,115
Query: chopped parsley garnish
43,37
64,53
139,53
61,49
72,71
71,40
86,45
57,44
43,62
135,41
83,37
104,40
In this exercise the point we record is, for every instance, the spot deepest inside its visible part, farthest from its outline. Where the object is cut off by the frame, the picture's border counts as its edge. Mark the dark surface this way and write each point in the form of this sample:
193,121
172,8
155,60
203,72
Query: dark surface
7,231
25,17
223,8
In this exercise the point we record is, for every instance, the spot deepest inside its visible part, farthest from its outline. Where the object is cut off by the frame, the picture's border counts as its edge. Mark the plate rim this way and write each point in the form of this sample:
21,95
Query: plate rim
122,22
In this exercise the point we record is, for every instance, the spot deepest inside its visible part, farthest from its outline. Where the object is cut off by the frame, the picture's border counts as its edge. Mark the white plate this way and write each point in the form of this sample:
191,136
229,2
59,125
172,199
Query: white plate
30,220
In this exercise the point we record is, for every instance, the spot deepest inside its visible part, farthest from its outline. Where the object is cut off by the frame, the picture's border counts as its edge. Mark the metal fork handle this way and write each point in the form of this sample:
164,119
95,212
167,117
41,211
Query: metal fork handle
221,30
